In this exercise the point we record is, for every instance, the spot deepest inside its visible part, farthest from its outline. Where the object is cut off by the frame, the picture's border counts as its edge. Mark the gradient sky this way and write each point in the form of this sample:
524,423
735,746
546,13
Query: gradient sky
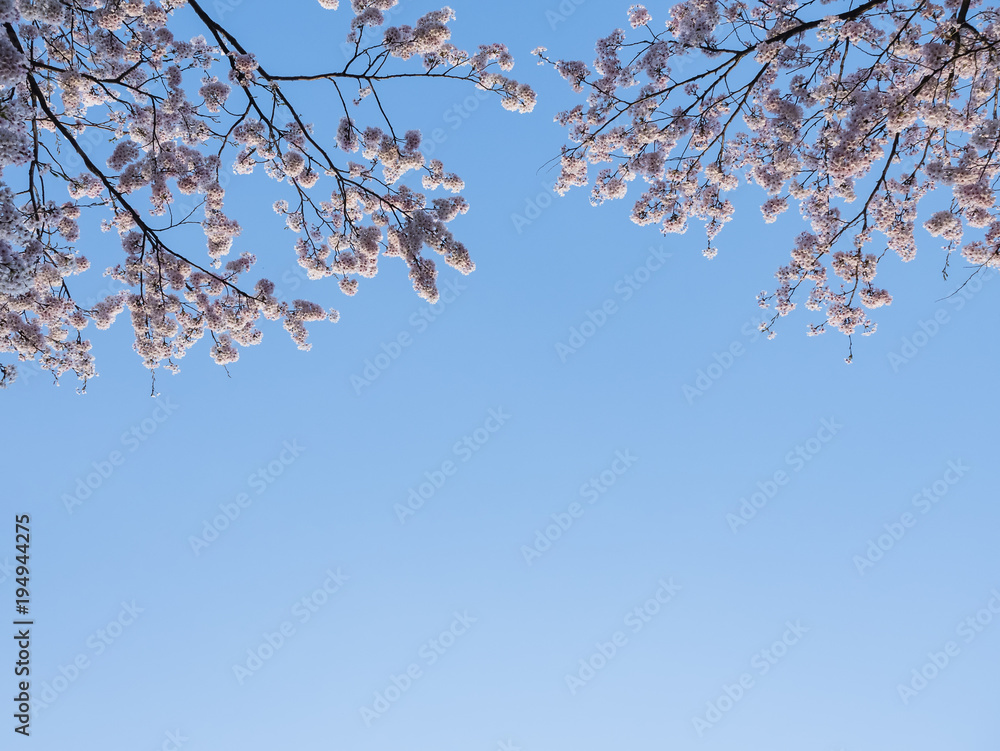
321,471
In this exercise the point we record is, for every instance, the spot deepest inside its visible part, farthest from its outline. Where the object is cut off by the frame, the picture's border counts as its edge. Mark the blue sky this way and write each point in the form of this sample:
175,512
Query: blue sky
778,627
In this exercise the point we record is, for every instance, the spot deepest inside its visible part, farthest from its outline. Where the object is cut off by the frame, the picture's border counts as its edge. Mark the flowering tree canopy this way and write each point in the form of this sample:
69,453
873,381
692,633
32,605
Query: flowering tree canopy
855,112
100,99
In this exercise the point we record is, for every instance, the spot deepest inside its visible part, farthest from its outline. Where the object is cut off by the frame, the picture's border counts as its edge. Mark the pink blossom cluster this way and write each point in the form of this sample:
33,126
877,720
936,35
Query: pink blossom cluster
857,116
638,16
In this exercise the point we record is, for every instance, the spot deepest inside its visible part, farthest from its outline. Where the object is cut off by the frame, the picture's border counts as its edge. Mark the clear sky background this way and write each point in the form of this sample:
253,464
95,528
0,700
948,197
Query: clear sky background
329,504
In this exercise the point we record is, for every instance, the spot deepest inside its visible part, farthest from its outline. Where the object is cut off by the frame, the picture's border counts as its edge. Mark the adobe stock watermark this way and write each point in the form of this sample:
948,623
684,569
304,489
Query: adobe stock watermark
428,653
131,440
968,629
925,500
592,490
464,448
534,207
303,610
910,346
419,321
624,289
761,663
223,8
25,371
562,13
173,740
454,116
258,481
723,361
635,620
6,570
797,459
97,643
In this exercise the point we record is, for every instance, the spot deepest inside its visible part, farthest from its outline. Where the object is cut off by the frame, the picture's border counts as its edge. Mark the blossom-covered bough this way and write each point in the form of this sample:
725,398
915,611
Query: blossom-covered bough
854,111
105,86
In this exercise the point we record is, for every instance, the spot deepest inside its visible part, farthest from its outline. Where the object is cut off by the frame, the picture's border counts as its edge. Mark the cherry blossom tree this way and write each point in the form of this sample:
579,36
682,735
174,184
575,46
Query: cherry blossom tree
103,109
855,112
